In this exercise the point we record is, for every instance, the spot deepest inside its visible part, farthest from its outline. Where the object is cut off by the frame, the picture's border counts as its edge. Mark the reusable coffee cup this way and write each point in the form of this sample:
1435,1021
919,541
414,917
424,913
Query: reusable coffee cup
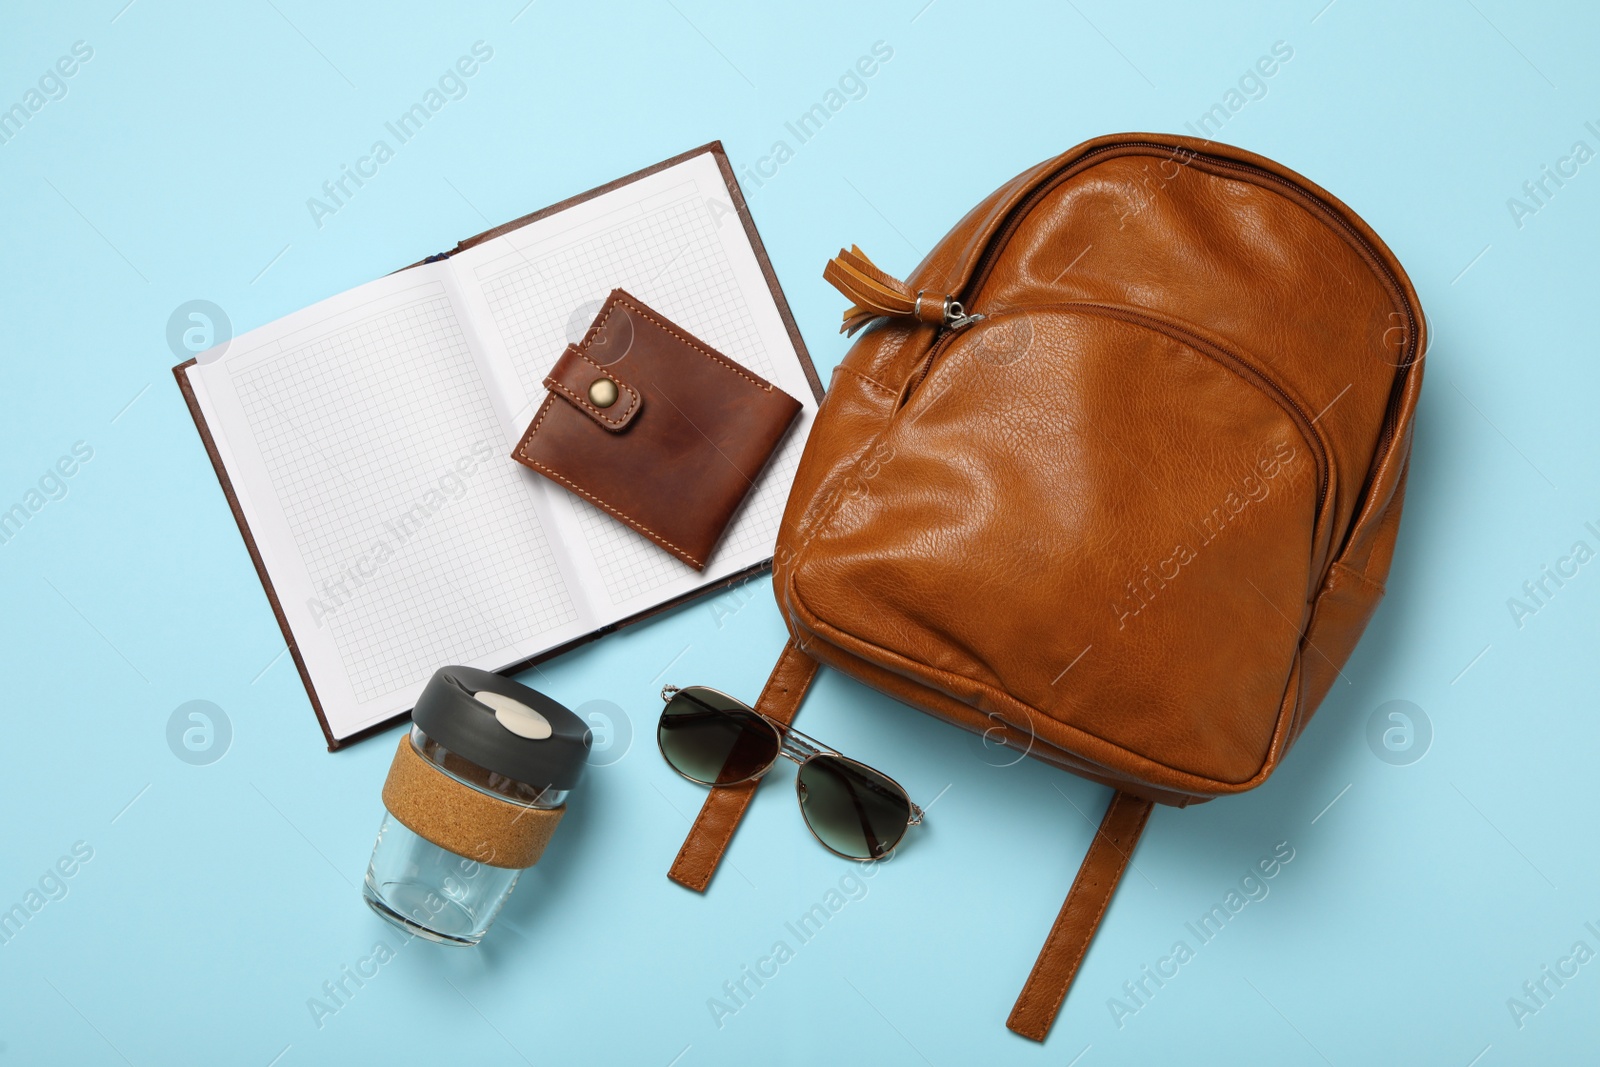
474,794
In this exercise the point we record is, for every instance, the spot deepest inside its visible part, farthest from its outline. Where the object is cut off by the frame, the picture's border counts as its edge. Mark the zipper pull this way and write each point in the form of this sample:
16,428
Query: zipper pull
956,317
875,294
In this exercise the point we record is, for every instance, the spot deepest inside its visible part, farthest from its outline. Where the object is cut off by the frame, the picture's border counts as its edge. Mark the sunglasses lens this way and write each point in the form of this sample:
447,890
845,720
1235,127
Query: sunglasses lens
715,740
852,808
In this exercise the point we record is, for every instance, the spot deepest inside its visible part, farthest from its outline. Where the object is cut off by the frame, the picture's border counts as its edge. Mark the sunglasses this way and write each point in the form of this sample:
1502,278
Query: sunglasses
852,810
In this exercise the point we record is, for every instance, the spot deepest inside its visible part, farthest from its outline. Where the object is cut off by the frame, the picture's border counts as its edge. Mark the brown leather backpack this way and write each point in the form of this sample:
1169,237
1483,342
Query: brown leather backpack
1113,478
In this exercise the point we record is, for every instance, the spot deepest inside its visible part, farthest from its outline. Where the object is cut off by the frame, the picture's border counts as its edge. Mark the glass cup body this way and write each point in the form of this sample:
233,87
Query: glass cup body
433,892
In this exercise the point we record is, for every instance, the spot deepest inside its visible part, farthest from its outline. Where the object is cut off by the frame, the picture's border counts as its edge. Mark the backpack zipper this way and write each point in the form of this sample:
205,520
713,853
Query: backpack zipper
1233,361
1019,211
1217,353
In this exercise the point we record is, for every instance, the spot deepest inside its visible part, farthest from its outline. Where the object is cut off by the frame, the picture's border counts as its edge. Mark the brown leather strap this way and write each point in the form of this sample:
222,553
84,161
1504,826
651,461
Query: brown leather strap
724,807
572,379
1069,938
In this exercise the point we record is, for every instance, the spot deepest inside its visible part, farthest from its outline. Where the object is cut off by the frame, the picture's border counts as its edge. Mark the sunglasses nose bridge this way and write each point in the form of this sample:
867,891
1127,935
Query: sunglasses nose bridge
798,748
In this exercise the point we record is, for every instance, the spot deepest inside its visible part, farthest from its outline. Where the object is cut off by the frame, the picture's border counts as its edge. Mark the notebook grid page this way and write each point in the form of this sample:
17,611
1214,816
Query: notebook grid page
419,535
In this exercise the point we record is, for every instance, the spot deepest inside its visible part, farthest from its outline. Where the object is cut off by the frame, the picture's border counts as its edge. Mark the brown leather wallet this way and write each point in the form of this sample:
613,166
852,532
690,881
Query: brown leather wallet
656,427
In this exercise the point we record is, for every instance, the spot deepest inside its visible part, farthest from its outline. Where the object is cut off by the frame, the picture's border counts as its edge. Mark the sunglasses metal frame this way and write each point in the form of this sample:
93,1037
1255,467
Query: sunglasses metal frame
799,749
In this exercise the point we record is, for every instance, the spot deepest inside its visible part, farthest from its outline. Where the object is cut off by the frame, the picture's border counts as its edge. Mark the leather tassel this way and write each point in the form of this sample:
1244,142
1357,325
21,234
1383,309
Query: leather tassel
874,294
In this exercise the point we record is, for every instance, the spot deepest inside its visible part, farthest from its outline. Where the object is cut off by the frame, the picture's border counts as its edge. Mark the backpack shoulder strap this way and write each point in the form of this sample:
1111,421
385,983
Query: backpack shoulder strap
1075,926
724,807
1080,915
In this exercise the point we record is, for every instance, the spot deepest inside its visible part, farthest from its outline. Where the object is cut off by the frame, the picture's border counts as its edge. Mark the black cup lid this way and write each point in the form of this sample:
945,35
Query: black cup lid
503,726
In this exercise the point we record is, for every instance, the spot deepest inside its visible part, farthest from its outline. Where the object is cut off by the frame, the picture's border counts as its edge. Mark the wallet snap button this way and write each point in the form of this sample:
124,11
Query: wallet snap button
602,392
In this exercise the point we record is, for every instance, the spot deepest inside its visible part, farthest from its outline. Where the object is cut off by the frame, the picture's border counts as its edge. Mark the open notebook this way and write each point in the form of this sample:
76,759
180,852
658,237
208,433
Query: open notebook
364,443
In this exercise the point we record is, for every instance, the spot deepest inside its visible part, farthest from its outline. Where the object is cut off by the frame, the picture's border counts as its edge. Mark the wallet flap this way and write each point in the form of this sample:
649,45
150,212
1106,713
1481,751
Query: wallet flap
594,390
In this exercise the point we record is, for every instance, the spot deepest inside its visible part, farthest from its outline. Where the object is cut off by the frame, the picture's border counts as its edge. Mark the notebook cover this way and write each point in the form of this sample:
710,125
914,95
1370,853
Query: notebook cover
736,196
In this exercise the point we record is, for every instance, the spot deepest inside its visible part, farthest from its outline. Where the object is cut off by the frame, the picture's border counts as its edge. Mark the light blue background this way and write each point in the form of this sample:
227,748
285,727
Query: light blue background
220,898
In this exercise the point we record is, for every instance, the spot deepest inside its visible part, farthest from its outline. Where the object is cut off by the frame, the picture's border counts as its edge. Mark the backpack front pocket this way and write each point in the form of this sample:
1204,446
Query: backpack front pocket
1094,525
